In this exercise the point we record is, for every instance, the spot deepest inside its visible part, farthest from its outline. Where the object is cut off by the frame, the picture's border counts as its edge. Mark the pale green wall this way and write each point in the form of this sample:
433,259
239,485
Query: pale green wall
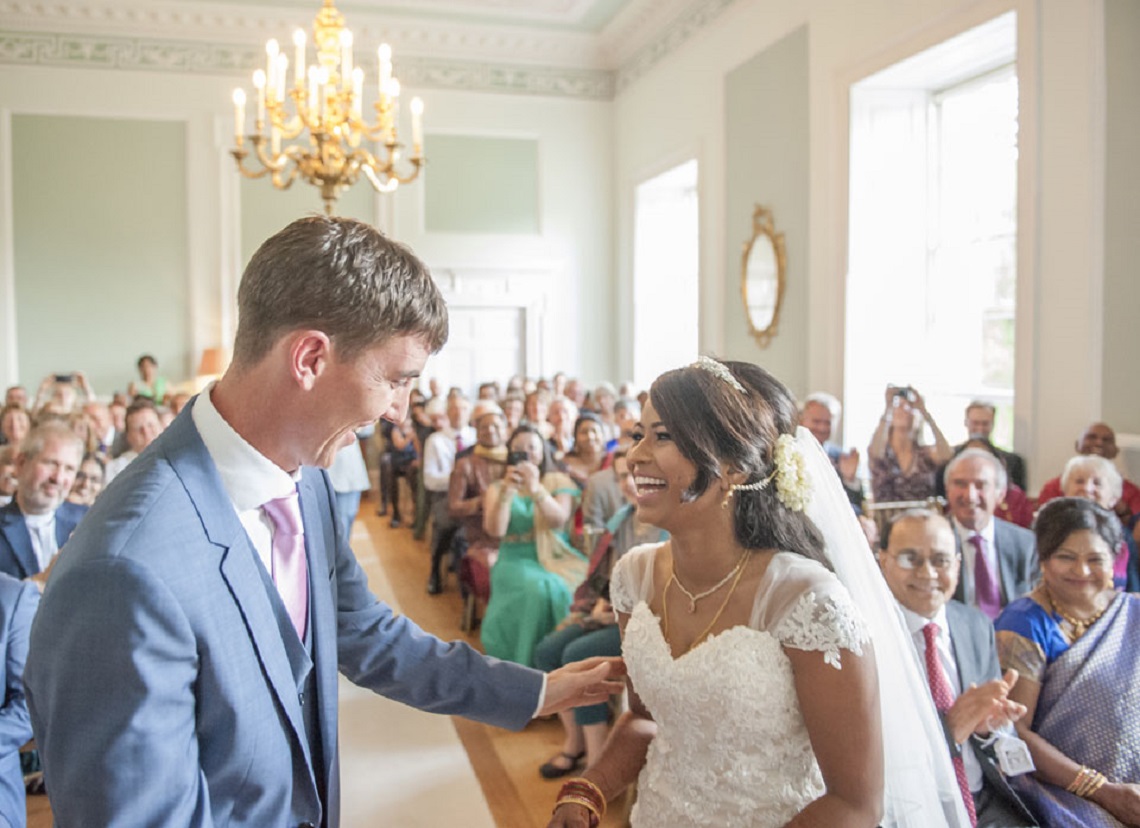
1121,391
265,209
475,184
99,221
766,134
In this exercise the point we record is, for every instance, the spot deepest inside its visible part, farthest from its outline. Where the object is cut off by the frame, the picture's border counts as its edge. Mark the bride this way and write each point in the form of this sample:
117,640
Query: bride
770,682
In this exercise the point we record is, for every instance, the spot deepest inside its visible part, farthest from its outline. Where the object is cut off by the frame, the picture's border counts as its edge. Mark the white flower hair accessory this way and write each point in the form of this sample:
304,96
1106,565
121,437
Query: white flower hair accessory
793,486
718,370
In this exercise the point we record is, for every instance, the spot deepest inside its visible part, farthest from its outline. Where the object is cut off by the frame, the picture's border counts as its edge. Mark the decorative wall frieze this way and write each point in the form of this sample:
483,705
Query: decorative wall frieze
698,15
211,39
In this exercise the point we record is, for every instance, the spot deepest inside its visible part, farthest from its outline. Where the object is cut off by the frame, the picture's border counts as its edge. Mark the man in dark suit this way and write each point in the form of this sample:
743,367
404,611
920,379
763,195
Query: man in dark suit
980,426
999,559
956,645
38,521
216,599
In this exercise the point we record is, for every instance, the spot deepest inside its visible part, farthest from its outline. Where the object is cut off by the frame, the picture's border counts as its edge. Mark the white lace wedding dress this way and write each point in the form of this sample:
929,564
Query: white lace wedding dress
731,747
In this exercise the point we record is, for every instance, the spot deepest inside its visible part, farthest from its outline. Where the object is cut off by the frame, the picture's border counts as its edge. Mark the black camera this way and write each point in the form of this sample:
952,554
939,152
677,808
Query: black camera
516,457
904,391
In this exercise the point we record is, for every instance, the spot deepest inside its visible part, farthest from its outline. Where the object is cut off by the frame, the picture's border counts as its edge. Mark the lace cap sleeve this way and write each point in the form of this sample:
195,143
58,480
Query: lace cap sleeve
632,578
807,608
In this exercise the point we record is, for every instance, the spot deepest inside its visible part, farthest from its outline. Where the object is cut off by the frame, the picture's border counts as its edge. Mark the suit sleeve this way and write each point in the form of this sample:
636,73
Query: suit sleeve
111,698
15,723
390,655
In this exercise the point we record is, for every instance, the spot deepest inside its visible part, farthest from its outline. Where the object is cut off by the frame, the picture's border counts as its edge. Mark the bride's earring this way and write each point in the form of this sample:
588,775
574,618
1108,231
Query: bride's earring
727,498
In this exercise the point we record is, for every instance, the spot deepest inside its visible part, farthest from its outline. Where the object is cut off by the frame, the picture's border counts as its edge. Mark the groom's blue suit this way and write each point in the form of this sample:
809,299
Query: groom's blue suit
166,686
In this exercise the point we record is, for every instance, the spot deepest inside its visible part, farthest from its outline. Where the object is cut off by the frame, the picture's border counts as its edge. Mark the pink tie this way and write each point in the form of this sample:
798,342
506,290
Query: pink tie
943,701
986,591
290,572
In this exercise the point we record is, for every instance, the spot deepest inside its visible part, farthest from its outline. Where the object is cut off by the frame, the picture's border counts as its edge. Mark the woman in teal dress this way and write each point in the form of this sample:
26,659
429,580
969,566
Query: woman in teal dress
537,570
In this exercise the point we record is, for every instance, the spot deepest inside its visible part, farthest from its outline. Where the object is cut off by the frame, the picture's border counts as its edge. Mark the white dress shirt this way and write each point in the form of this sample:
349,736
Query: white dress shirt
42,530
248,476
439,456
915,623
968,552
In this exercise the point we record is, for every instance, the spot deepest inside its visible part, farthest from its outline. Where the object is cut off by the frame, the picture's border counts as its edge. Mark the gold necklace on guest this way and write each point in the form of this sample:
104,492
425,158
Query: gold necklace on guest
1080,627
738,570
694,598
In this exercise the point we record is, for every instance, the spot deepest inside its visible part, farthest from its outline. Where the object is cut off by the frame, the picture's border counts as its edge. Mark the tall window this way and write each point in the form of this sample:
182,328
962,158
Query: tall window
666,265
933,231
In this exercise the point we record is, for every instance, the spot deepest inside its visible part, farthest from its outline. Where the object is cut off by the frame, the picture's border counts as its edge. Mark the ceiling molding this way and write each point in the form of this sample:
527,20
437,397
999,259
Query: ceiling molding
227,40
697,15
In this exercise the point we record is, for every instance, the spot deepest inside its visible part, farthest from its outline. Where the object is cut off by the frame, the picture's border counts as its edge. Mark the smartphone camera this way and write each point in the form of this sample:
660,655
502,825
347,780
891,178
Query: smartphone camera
516,457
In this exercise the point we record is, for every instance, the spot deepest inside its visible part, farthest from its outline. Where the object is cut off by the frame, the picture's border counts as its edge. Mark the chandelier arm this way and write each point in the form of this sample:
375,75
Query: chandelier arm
240,156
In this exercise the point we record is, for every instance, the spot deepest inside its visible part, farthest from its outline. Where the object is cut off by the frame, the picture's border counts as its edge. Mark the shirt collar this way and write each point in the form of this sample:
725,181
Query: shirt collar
915,622
249,477
965,534
39,521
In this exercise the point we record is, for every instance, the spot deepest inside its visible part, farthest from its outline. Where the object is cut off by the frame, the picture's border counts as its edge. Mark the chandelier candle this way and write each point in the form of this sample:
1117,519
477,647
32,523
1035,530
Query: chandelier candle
316,129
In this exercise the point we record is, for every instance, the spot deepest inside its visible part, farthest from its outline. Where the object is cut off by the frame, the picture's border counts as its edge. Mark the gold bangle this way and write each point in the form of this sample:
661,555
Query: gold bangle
590,790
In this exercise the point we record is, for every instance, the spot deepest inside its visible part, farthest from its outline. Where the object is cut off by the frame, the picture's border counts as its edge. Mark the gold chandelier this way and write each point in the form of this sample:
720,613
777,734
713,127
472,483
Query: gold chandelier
328,105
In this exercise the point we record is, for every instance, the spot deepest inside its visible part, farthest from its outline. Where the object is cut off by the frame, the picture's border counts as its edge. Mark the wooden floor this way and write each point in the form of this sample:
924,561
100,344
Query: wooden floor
505,763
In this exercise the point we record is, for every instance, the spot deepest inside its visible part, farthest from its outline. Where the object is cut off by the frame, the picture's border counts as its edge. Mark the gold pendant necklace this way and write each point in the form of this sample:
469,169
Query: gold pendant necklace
739,570
694,598
1080,626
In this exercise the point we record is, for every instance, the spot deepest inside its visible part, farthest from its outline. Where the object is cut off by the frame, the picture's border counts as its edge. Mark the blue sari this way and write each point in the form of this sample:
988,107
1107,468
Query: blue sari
1089,709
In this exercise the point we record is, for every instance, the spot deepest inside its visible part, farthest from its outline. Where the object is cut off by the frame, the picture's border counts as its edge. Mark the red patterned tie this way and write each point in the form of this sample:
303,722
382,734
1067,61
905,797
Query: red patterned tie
943,700
290,570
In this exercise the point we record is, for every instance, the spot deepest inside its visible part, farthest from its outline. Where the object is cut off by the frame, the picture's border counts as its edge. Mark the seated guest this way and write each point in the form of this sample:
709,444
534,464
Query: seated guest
103,428
396,461
16,395
576,393
1073,640
920,564
1094,478
142,427
118,410
15,423
1098,439
562,417
513,405
38,520
149,385
58,394
627,411
1000,564
601,498
440,452
588,449
1014,505
7,474
18,603
591,628
820,414
474,473
537,570
488,391
429,415
604,399
901,467
88,480
537,410
980,426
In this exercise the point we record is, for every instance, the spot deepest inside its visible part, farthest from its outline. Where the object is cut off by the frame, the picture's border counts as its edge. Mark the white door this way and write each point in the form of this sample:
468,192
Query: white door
486,344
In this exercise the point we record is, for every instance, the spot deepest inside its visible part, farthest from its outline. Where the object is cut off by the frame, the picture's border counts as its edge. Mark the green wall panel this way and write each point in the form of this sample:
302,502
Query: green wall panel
767,132
481,185
100,228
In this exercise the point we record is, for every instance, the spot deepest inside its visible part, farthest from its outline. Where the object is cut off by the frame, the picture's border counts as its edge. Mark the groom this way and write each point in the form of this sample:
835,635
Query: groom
183,664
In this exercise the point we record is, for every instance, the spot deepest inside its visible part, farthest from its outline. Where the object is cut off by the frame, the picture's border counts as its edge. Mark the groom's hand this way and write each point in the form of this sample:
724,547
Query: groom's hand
591,681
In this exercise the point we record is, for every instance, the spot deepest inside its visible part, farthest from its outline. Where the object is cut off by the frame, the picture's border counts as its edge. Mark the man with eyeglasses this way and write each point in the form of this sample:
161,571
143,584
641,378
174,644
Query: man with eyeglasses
955,643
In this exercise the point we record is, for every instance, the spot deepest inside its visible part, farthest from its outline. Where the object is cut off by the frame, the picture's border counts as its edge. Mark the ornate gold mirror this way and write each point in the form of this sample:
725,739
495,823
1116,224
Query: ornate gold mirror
762,276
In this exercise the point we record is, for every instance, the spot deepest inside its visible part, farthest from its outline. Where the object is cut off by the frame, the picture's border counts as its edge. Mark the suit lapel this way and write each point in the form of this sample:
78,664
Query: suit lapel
16,533
238,566
960,592
320,544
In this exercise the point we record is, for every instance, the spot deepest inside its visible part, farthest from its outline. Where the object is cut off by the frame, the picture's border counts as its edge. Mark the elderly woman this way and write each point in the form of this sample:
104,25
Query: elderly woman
902,468
1072,640
1095,478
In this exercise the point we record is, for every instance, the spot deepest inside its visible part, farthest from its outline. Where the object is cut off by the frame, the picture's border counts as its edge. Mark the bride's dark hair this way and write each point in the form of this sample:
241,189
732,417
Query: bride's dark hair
718,428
